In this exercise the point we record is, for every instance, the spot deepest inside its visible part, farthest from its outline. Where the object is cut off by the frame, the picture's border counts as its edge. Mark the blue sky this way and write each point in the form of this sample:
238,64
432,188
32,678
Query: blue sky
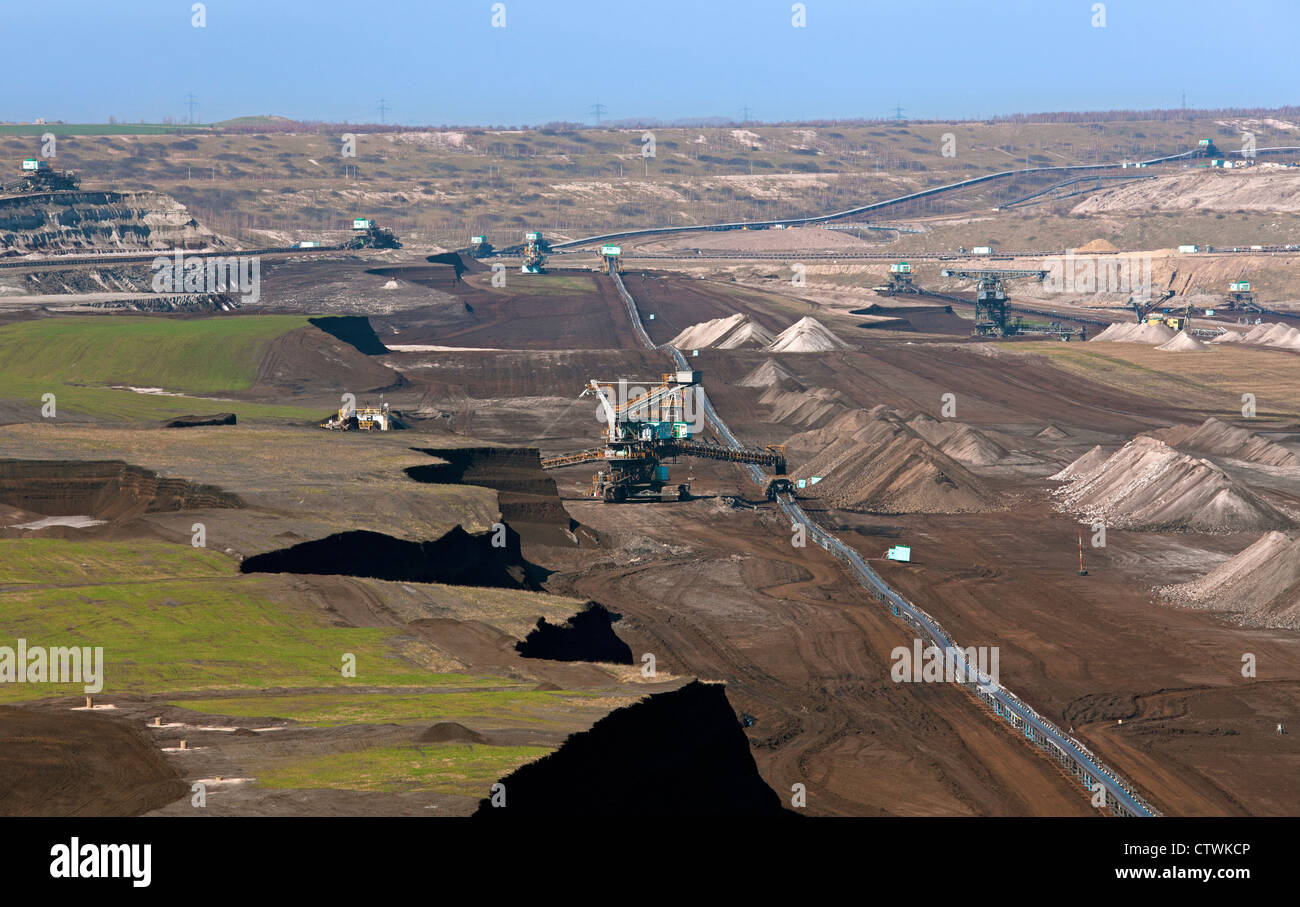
442,62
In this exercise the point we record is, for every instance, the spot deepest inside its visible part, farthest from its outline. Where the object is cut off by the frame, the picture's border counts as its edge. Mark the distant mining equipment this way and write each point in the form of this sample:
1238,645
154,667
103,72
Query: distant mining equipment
611,259
479,247
900,281
364,418
1057,329
38,176
369,235
534,254
1174,320
1241,298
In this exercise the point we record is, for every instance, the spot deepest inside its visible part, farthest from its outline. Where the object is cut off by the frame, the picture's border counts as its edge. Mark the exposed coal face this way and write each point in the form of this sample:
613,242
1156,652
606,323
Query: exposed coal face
457,558
673,754
528,497
586,636
104,489
354,330
187,302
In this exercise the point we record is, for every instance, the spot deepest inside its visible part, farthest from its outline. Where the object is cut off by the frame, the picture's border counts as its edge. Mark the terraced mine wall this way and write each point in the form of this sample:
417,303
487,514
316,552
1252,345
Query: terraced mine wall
99,221
128,277
528,497
103,489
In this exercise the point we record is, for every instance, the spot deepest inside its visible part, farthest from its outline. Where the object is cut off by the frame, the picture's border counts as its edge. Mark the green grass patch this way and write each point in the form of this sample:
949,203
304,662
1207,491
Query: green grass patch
1205,383
110,405
81,359
199,356
190,632
1101,360
449,768
521,705
51,561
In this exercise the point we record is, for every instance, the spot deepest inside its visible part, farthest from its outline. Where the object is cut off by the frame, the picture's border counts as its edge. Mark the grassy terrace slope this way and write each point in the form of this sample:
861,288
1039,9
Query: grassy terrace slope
295,479
182,630
510,705
453,768
146,601
204,356
82,359
1205,383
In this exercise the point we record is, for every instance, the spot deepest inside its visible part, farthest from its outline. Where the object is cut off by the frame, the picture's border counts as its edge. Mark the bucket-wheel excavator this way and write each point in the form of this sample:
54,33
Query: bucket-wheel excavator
646,427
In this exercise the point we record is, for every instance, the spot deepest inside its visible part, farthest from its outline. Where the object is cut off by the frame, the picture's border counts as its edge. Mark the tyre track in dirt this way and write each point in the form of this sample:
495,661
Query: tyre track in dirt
1149,715
812,665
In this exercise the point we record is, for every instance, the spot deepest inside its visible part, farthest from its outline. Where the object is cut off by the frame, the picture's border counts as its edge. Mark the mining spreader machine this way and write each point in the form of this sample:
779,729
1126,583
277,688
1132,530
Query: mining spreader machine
534,256
611,259
38,176
991,318
644,430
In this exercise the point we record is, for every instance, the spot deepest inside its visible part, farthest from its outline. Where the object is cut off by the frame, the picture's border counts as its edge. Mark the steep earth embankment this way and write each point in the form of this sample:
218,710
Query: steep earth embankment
98,222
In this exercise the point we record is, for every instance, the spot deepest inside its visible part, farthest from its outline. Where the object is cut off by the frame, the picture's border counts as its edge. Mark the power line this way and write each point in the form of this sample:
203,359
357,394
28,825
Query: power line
744,114
597,109
383,109
898,113
191,102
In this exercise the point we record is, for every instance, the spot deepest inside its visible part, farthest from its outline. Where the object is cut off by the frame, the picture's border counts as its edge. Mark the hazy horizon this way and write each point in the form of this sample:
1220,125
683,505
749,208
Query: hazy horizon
526,63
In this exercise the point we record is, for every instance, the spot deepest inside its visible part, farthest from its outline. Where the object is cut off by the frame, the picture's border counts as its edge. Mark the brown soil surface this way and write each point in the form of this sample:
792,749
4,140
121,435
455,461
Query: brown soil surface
557,310
804,651
1088,651
450,732
104,489
310,362
77,764
714,588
